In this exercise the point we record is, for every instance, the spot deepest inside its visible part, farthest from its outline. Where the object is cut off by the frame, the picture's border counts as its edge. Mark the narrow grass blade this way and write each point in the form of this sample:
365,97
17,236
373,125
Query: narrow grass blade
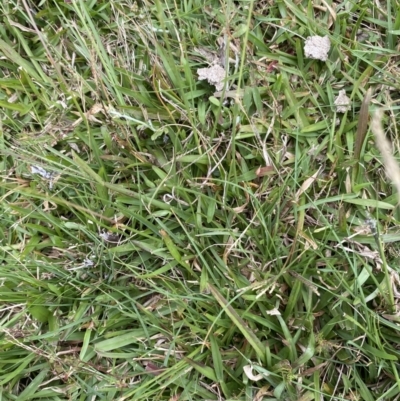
21,108
217,359
84,166
121,341
13,56
29,392
361,132
206,371
239,323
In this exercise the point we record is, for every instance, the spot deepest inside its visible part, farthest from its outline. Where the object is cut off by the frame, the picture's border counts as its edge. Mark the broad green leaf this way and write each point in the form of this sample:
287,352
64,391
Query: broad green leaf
40,313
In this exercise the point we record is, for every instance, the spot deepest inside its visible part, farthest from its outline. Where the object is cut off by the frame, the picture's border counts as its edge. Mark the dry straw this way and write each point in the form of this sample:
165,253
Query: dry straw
391,166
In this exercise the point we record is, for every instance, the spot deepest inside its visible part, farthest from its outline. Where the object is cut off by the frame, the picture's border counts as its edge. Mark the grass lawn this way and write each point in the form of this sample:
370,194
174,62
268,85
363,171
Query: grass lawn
194,206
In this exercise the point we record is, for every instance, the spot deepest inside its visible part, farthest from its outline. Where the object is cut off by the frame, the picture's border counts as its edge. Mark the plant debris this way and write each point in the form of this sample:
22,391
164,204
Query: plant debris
215,75
47,175
342,102
385,148
317,47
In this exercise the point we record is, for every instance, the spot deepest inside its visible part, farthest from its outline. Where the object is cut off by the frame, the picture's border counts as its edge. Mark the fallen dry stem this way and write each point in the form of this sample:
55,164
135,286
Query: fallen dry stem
391,167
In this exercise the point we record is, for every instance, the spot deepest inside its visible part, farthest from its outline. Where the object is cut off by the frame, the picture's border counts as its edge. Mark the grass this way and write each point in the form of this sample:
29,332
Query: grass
160,241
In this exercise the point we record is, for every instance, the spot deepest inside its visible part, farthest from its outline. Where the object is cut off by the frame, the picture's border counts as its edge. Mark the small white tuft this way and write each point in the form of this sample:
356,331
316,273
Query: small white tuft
317,47
47,175
342,102
215,75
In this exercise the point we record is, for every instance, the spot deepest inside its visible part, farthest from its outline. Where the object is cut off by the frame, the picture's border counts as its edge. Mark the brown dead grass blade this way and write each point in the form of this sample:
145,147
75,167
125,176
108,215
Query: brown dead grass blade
382,143
362,126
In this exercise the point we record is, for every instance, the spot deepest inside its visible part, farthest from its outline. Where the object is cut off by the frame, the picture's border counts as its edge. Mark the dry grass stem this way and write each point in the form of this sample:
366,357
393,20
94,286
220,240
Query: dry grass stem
391,166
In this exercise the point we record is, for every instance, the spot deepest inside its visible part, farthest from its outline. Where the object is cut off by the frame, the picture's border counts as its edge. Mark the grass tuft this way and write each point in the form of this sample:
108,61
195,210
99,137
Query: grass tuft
162,240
